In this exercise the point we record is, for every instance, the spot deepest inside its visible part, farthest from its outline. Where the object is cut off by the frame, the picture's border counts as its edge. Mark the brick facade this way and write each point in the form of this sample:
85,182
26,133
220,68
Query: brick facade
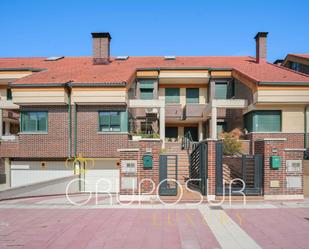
53,144
211,147
91,142
275,180
294,140
137,154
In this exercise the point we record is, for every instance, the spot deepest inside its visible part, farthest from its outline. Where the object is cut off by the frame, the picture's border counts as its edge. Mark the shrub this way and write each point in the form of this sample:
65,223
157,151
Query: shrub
231,144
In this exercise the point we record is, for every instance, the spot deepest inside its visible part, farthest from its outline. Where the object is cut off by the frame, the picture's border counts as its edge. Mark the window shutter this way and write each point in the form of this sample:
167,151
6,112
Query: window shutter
146,84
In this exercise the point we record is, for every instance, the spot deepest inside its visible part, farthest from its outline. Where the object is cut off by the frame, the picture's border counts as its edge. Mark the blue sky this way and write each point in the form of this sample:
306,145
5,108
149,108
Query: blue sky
169,27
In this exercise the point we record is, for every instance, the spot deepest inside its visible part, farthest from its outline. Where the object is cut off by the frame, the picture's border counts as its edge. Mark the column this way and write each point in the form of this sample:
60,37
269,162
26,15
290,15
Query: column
162,126
212,91
7,167
213,124
1,128
200,131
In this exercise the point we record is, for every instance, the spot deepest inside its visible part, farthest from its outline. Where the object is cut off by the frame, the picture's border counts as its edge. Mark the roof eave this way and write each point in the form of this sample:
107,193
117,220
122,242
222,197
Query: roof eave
283,83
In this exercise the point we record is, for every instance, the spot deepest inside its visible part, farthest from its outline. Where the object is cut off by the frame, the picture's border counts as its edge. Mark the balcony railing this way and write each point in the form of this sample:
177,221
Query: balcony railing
173,111
194,110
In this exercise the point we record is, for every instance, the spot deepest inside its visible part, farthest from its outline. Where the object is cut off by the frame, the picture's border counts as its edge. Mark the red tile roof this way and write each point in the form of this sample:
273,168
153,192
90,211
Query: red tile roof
305,56
82,70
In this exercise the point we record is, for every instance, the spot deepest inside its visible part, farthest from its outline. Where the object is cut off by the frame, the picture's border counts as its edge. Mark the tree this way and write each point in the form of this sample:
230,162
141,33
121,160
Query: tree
231,143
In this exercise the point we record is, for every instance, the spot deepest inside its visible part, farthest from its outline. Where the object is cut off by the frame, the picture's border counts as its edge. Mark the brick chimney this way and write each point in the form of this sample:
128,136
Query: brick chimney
101,48
261,49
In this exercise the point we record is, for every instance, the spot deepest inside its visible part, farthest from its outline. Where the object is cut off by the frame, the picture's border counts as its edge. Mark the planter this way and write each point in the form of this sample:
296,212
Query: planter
136,138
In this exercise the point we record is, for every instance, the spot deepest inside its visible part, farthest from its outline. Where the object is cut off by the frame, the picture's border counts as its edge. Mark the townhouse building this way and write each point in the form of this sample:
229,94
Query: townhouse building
297,62
124,113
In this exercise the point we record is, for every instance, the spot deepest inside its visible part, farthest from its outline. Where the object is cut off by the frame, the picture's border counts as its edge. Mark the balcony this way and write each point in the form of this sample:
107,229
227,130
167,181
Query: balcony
173,111
194,110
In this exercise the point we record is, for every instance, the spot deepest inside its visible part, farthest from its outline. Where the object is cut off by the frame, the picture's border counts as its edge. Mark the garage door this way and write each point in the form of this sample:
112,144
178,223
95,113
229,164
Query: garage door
29,172
102,177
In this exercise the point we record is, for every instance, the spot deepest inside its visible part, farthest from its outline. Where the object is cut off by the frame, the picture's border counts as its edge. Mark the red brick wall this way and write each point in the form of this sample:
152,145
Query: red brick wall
92,143
277,148
142,173
53,144
294,140
211,146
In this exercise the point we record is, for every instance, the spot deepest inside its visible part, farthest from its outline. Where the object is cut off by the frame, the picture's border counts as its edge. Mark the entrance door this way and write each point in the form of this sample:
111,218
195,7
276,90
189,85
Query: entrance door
168,175
193,131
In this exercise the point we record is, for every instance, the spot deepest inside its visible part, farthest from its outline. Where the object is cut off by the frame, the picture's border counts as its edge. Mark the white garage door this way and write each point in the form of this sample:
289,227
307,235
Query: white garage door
102,177
29,172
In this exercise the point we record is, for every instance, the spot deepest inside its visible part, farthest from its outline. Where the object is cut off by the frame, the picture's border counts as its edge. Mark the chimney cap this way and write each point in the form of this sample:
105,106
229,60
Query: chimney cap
101,35
261,34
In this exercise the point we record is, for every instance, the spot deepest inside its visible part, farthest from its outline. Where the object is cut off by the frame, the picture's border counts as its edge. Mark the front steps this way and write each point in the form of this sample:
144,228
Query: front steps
174,148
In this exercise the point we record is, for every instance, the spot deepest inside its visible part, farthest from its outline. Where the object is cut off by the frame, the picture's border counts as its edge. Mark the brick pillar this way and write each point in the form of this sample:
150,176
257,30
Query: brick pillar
275,180
211,150
136,154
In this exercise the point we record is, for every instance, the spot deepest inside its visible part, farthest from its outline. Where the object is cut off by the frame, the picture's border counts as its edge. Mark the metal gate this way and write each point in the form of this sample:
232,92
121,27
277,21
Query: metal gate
249,168
168,175
198,168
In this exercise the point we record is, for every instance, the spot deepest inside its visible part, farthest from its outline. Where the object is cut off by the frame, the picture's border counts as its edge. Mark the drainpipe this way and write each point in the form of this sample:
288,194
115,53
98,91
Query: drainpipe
75,129
306,132
69,124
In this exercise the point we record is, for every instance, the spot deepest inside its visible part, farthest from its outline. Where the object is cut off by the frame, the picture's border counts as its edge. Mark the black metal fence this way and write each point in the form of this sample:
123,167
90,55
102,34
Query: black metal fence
249,169
198,168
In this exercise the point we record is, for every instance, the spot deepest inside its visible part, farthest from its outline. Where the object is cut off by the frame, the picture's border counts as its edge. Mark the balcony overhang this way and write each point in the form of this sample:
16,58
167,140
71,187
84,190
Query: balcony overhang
8,104
184,76
146,103
225,103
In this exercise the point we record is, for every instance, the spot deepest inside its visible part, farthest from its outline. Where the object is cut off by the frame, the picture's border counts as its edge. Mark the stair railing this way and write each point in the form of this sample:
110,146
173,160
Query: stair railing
188,143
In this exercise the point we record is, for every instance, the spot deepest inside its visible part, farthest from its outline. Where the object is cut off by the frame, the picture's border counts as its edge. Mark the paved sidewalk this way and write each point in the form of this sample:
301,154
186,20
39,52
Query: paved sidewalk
275,228
53,222
104,228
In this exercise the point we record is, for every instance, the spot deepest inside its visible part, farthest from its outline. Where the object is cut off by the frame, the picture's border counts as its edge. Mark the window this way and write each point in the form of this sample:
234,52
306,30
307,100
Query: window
32,121
113,121
146,93
172,95
295,66
146,89
9,94
221,89
221,127
109,121
192,95
263,121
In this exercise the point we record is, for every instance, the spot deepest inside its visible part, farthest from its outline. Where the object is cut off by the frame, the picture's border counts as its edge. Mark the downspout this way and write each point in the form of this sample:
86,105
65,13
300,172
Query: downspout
306,132
70,124
75,129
